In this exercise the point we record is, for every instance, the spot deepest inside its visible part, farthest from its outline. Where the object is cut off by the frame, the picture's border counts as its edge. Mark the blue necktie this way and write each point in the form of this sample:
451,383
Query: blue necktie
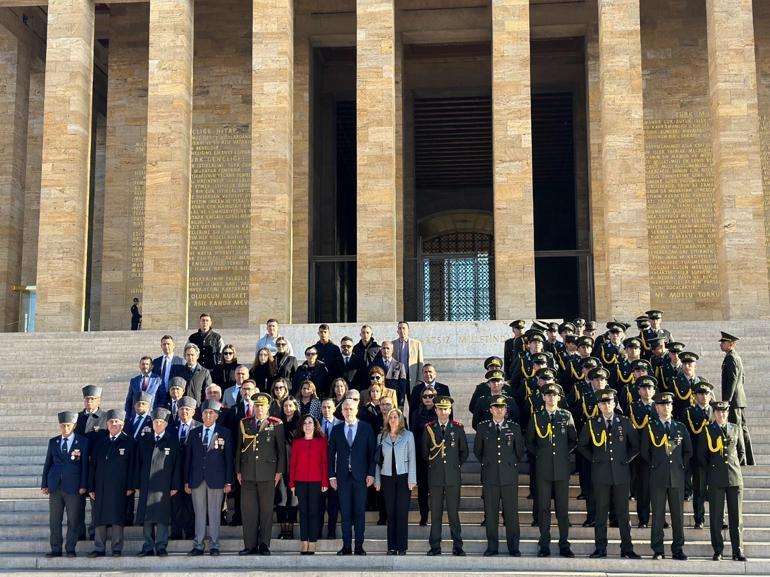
206,438
63,445
350,435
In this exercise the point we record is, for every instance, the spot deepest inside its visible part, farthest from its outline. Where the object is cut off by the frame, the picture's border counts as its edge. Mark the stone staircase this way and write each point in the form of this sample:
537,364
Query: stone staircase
33,392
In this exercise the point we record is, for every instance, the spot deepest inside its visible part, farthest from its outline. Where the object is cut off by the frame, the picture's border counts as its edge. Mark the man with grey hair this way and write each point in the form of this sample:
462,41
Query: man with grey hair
395,372
196,376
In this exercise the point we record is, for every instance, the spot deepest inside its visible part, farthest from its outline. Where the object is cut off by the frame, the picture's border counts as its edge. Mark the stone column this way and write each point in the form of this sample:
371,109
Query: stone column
167,188
741,240
512,155
377,190
622,152
61,263
272,77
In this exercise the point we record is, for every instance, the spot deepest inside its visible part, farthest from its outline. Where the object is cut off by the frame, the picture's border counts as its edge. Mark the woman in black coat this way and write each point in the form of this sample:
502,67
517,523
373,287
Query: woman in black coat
263,370
285,364
224,373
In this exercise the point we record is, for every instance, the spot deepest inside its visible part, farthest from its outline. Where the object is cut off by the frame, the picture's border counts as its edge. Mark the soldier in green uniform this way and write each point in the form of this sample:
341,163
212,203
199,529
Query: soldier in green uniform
719,452
551,437
623,372
656,322
611,345
630,391
483,405
513,346
683,384
733,392
445,448
641,412
482,389
572,373
562,354
696,418
643,325
609,442
521,369
259,462
666,447
499,447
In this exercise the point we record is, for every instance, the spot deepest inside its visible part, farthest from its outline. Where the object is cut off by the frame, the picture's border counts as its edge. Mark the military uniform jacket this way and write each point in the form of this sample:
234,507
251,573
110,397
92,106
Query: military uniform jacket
667,455
732,381
584,404
158,472
481,390
511,350
110,476
623,379
260,453
641,415
66,470
696,419
682,387
499,455
609,450
719,453
482,412
609,355
445,454
551,440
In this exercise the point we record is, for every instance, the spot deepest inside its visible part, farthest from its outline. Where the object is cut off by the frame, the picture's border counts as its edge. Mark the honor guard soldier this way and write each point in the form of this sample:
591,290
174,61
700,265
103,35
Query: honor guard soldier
445,448
656,320
562,354
696,418
531,389
630,391
260,459
733,392
158,477
499,447
671,366
683,383
657,359
609,442
667,448
552,344
573,374
65,479
624,373
513,346
551,437
611,346
641,412
643,325
483,405
522,366
482,389
719,451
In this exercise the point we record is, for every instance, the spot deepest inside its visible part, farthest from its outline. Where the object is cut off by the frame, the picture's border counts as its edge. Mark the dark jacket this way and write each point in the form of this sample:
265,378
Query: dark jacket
224,374
285,366
667,465
111,476
331,356
158,471
198,378
66,470
367,352
617,447
445,454
354,372
499,455
260,453
415,397
732,381
213,464
723,465
318,373
356,459
210,345
552,448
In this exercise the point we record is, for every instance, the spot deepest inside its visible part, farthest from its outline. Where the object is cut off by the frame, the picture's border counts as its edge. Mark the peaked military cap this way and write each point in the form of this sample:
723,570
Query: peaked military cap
443,402
675,347
599,373
494,375
540,358
67,417
585,342
553,327
641,364
703,387
540,325
546,373
663,398
657,341
591,325
534,335
519,324
91,391
552,389
642,321
605,395
720,405
570,339
589,363
728,337
688,357
160,414
118,414
654,314
615,327
500,401
647,381
578,322
261,399
493,361
566,326
632,343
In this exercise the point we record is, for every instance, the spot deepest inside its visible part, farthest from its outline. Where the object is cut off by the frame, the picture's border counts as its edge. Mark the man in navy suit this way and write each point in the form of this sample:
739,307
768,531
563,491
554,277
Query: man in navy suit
182,513
351,471
196,376
429,375
208,475
145,382
161,366
65,479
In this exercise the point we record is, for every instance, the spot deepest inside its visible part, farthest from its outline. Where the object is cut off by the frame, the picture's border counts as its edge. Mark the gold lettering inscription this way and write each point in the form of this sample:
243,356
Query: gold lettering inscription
136,190
681,213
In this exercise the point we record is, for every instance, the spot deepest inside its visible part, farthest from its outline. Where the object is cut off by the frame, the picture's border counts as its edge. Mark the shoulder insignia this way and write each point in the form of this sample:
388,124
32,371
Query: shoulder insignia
458,424
275,420
430,423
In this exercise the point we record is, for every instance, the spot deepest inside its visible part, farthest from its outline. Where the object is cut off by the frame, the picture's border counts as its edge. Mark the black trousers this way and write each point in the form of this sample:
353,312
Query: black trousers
698,492
395,494
58,502
331,504
737,416
675,498
734,497
423,490
310,512
82,533
642,490
257,501
509,495
437,495
605,495
182,516
560,492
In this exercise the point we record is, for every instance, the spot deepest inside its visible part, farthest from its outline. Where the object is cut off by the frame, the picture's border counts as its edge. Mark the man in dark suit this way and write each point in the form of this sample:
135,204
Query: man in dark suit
91,425
140,423
666,446
196,376
351,471
719,451
351,365
241,409
182,513
429,376
609,443
208,341
158,477
733,393
161,366
260,461
395,372
110,484
148,383
65,479
208,476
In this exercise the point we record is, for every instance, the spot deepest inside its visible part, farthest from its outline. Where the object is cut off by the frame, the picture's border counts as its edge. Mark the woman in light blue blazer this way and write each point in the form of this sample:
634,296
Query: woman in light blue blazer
396,476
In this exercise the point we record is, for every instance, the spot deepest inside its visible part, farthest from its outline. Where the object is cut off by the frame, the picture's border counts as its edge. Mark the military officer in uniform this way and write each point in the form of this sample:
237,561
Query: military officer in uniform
551,437
624,372
696,418
609,442
445,448
611,346
483,405
683,384
733,392
91,425
499,447
719,452
667,448
260,459
158,478
482,389
640,412
630,391
513,346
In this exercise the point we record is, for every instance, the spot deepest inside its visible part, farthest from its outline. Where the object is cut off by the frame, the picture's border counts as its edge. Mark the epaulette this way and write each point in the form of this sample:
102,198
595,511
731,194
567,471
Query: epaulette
458,424
484,421
275,420
430,423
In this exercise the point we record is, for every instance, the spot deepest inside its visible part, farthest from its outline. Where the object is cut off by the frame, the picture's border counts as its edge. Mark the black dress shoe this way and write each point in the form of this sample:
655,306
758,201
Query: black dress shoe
698,525
116,554
423,522
658,556
53,554
359,551
214,552
514,553
679,556
534,523
93,554
195,552
264,550
434,552
543,552
162,553
391,552
588,523
717,557
740,557
642,525
596,554
666,524
630,555
458,552
489,553
146,553
71,554
345,551
566,553
248,551
581,497
401,552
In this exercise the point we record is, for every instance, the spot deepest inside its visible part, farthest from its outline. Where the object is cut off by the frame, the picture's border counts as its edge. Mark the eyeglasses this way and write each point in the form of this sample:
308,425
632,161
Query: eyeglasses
429,396
311,354
346,346
375,378
279,387
280,344
227,353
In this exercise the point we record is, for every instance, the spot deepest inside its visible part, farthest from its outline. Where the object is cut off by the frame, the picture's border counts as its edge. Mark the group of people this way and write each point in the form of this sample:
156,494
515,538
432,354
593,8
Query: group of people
204,440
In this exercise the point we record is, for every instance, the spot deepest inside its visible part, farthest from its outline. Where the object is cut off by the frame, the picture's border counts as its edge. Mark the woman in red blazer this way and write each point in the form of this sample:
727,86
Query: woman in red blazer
308,478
